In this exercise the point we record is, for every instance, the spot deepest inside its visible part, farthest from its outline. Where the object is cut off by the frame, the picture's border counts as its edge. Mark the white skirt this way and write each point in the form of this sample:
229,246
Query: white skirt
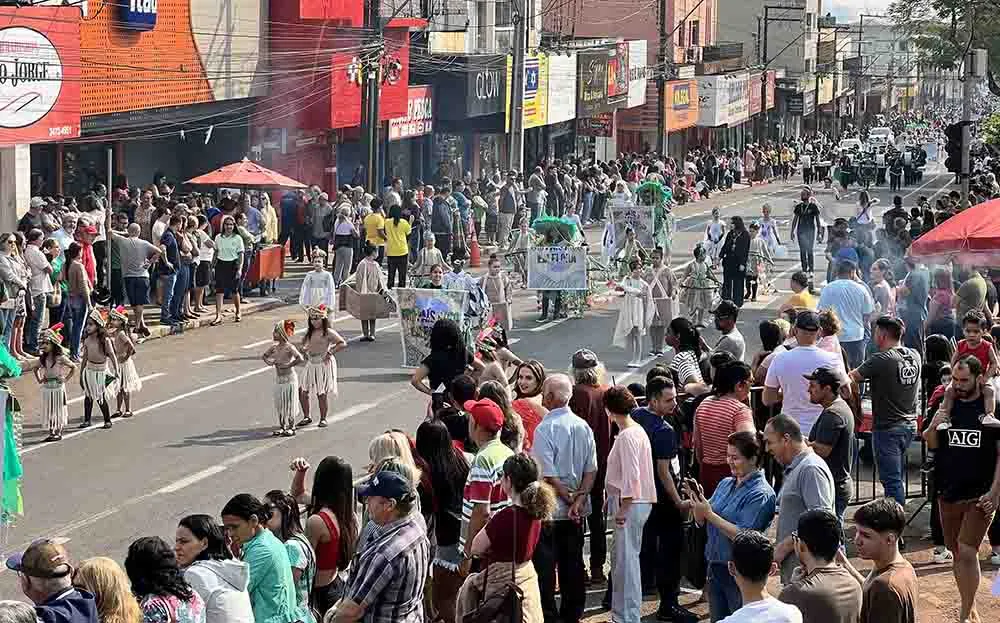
286,400
320,377
54,411
95,384
130,382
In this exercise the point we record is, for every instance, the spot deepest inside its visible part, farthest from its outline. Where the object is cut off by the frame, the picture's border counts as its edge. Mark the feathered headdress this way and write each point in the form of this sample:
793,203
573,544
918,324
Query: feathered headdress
284,330
318,311
100,316
118,313
52,335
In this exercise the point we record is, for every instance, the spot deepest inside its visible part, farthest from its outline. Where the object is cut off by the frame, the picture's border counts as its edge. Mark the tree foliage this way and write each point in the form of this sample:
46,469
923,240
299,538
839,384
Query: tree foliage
989,129
941,31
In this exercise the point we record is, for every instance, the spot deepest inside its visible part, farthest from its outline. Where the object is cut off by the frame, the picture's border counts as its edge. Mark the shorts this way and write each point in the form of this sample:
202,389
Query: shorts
203,274
137,290
963,523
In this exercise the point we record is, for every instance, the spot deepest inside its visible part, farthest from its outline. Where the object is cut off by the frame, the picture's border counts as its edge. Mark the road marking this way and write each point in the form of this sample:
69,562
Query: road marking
547,325
269,340
141,378
206,359
513,340
385,328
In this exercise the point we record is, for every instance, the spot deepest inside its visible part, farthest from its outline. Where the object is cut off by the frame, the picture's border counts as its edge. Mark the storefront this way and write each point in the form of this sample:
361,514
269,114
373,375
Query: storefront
560,133
409,146
680,113
602,88
637,122
723,110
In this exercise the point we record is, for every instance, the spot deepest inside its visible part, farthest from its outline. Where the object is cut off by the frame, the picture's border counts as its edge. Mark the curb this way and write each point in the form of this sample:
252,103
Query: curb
159,331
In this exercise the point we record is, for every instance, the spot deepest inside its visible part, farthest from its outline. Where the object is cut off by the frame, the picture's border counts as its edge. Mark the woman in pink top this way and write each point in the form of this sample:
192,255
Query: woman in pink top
829,326
631,492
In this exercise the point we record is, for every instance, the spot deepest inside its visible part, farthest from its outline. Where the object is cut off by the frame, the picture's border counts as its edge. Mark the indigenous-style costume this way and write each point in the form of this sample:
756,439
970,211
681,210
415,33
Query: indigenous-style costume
699,285
497,289
55,413
98,384
320,374
130,383
286,387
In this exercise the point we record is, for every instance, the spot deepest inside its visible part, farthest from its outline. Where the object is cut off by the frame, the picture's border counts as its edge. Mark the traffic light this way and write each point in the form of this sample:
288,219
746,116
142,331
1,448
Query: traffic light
953,147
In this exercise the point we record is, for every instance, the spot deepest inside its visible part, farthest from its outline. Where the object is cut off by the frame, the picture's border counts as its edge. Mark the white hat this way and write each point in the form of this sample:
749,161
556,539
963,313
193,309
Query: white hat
37,202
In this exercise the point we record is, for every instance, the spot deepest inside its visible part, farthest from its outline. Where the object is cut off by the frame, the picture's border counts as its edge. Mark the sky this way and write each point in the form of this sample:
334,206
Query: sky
850,9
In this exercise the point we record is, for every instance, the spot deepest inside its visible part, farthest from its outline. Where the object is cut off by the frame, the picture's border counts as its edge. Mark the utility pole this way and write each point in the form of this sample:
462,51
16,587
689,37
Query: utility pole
661,80
967,125
371,76
819,37
515,153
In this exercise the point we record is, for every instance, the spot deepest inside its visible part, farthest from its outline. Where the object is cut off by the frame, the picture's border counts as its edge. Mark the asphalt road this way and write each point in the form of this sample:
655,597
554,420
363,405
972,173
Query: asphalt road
202,430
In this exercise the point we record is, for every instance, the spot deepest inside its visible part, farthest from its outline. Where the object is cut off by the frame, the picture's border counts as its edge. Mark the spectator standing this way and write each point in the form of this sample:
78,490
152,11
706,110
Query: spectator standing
894,373
753,561
397,248
228,266
832,436
34,218
734,256
45,573
509,198
67,233
564,447
820,588
731,339
77,301
719,416
587,402
39,286
853,304
321,217
911,302
137,256
889,593
805,227
807,485
170,268
971,295
374,224
441,223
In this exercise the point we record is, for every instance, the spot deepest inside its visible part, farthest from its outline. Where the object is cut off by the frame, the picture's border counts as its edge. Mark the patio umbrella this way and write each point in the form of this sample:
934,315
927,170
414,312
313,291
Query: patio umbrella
246,174
970,238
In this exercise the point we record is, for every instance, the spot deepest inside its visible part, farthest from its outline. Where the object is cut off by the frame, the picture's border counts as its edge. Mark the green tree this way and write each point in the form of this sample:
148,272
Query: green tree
989,129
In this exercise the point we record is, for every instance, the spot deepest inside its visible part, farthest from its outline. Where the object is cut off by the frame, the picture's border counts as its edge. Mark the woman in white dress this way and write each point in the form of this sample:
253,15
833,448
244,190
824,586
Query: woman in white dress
319,346
636,313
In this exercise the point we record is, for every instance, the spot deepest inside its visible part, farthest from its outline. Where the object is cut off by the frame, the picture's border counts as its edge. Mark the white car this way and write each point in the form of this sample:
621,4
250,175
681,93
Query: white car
881,136
850,144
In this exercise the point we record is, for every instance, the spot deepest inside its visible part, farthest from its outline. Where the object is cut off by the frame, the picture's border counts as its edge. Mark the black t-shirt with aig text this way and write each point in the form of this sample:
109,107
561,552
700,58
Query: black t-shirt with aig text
967,454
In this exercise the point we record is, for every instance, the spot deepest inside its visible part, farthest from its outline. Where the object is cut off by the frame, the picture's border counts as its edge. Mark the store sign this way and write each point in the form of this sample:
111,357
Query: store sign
602,80
486,90
535,106
681,105
39,74
638,73
738,90
723,99
137,14
769,100
602,124
419,115
756,94
561,99
394,74
795,104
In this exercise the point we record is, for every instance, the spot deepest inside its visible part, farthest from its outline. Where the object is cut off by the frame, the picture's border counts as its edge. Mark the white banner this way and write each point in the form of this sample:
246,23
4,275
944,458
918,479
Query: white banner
639,218
738,87
562,88
557,268
723,99
638,73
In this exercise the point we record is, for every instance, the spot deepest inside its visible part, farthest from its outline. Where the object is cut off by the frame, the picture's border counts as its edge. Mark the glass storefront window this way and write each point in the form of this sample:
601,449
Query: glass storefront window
449,155
490,154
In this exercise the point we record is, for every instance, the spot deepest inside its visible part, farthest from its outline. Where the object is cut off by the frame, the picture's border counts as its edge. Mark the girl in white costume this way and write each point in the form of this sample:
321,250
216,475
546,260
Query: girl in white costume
715,231
129,382
636,312
319,346
769,229
284,357
318,287
98,362
54,369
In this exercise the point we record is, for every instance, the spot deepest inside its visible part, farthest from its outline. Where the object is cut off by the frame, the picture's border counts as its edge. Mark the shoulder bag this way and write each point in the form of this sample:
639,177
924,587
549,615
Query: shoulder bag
504,606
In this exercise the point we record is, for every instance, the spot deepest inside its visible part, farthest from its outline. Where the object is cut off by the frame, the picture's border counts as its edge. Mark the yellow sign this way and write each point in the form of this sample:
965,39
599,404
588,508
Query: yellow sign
536,90
824,95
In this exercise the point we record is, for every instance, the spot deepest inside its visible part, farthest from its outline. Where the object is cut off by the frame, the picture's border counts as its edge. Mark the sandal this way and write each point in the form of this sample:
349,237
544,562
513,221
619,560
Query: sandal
278,433
128,414
238,318
106,426
288,433
116,415
53,437
216,322
322,424
306,421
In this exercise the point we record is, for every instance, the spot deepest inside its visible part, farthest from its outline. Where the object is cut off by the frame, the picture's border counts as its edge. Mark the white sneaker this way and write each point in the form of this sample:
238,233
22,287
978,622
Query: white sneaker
990,421
942,555
995,559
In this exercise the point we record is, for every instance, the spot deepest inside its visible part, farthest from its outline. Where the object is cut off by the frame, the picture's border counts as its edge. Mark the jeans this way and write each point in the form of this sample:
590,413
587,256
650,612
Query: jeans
733,284
561,547
443,243
167,283
588,206
180,290
807,240
34,322
890,458
841,498
342,259
504,225
597,524
555,296
724,596
75,316
662,539
397,265
855,353
626,597
7,325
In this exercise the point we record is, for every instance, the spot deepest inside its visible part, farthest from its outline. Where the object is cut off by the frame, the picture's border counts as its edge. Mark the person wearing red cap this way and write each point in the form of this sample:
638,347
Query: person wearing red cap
483,495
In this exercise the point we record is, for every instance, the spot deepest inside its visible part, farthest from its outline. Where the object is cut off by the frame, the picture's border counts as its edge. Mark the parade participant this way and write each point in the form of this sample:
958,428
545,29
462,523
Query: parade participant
284,357
699,284
498,291
436,280
664,289
522,240
629,250
128,381
54,369
368,280
319,346
428,257
636,313
318,285
734,256
98,360
805,228
714,232
759,260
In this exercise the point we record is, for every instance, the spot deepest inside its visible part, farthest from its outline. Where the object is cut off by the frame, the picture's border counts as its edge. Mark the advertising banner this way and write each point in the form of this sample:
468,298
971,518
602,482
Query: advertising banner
770,90
602,82
601,124
681,104
713,102
638,73
419,115
418,311
39,74
738,90
561,98
557,268
756,94
486,90
639,218
536,90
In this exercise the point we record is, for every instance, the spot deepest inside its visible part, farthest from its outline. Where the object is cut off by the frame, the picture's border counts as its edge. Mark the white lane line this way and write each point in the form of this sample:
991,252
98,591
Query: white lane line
269,340
141,378
206,359
547,325
513,340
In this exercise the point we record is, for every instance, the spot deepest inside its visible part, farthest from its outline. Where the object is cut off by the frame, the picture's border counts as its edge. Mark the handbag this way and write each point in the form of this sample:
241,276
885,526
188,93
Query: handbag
694,565
504,606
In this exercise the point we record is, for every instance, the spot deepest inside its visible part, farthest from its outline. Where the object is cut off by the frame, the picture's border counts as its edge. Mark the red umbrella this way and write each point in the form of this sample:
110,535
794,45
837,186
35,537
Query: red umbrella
246,174
970,238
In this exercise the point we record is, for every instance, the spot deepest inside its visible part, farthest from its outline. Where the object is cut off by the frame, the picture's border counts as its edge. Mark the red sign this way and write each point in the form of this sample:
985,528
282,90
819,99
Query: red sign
419,115
770,90
344,12
756,96
345,82
39,74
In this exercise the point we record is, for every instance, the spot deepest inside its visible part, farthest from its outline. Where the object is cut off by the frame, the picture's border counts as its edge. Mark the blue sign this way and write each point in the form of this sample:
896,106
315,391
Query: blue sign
137,14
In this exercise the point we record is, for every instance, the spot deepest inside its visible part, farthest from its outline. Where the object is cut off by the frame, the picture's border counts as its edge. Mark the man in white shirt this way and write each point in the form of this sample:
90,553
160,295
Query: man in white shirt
752,563
66,235
786,382
394,194
39,285
854,305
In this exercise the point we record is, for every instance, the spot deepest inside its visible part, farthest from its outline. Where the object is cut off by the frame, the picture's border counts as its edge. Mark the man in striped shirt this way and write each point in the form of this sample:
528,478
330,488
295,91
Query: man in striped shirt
483,495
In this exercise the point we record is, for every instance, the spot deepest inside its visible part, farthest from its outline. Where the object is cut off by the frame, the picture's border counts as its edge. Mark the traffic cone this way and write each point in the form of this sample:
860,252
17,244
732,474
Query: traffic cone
475,260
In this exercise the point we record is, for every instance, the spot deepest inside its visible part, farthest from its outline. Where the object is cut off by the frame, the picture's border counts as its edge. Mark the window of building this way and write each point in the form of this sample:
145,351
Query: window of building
694,38
809,21
504,14
482,25
680,35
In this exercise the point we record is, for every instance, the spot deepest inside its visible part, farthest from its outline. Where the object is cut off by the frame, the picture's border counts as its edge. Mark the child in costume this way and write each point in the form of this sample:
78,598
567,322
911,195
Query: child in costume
498,291
769,229
715,231
99,366
636,312
630,250
699,284
284,357
759,261
428,257
319,346
318,287
522,240
54,369
129,382
664,289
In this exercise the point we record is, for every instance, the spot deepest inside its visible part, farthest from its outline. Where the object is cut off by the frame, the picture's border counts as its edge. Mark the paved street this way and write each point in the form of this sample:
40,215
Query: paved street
202,430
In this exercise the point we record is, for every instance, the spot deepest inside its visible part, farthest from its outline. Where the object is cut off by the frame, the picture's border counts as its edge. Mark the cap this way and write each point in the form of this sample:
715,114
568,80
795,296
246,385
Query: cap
824,376
807,320
486,413
386,484
584,359
45,558
37,202
727,309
